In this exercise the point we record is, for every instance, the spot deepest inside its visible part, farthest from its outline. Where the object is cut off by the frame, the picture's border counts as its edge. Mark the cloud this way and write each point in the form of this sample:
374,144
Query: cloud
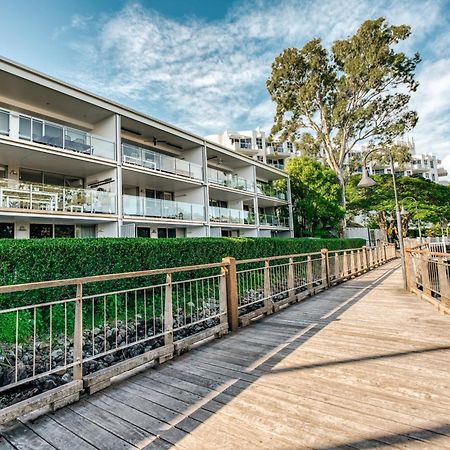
209,76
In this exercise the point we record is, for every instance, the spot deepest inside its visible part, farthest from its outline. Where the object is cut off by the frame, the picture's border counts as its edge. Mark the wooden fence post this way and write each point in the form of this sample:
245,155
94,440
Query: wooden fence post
267,291
425,275
290,280
408,268
78,335
352,262
309,275
168,312
365,256
384,253
444,285
345,265
336,267
358,261
232,294
325,268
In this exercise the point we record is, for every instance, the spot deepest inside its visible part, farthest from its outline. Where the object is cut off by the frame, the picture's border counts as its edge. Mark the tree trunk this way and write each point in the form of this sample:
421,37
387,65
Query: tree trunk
343,202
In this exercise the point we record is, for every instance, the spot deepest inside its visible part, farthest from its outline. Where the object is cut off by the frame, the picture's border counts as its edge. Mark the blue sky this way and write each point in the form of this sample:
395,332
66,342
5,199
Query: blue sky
202,65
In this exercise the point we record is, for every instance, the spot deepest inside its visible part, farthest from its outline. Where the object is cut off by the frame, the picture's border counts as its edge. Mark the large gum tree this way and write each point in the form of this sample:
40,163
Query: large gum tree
329,101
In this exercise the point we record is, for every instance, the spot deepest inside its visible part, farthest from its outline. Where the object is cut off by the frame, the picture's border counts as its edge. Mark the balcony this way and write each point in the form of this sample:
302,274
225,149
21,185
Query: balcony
156,161
270,191
162,209
273,221
227,215
245,147
59,136
228,180
38,197
278,151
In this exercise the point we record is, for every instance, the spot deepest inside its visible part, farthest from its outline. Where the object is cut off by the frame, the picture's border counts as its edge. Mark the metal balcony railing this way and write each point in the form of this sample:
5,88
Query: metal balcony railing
233,181
228,215
60,136
274,221
157,161
39,197
164,209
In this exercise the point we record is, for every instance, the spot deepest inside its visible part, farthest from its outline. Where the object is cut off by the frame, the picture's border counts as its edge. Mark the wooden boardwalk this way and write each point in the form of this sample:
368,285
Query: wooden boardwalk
362,365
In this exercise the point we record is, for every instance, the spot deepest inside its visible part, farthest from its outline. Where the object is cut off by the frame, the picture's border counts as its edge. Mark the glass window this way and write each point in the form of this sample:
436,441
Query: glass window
32,176
53,135
259,143
37,127
24,127
143,232
3,171
88,231
171,233
6,231
54,179
41,231
4,122
162,233
64,231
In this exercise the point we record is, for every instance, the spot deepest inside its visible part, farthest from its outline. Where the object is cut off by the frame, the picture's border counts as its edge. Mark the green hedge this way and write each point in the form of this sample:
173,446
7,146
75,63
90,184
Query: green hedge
25,261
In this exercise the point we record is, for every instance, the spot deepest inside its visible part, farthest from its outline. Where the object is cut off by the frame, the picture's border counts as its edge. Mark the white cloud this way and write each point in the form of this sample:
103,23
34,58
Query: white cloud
208,76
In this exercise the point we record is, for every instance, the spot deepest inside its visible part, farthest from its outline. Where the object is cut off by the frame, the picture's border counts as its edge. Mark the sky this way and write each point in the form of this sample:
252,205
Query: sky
202,64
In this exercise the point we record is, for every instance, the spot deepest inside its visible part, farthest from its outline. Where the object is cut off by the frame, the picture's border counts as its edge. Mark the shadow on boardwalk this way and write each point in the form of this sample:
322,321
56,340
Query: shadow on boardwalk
306,377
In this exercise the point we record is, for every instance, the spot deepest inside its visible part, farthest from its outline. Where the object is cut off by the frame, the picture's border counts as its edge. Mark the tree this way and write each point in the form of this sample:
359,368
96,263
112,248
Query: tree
356,93
433,201
315,196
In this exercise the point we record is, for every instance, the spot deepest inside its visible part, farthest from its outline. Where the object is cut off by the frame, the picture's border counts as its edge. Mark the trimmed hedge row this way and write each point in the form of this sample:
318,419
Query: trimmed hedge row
26,261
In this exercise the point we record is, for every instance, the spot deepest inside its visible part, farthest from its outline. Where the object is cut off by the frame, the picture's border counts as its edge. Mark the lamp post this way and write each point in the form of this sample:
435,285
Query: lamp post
417,212
366,181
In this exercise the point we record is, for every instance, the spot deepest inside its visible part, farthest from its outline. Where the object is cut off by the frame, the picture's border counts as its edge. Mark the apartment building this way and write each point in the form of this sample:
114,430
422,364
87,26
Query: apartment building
255,144
73,164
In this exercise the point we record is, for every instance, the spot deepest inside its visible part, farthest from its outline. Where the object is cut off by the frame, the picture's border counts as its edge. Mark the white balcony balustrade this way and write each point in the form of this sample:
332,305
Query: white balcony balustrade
39,197
233,181
164,209
59,136
228,215
159,162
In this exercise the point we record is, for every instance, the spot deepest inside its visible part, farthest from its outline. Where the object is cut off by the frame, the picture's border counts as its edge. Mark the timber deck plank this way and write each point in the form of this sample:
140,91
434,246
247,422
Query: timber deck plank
362,365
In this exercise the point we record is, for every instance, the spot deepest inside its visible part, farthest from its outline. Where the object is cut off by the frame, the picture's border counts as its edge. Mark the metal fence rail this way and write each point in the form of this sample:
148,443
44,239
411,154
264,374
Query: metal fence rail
428,275
88,338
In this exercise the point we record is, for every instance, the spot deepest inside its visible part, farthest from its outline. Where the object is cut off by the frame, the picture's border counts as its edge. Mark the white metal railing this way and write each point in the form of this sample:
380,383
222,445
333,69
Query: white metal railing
233,181
42,197
61,136
229,215
153,207
156,161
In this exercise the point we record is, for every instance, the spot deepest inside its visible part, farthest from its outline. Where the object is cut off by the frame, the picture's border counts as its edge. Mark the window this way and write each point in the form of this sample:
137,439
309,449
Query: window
64,231
88,231
3,171
41,231
167,233
24,127
432,164
259,143
53,179
6,231
4,122
143,232
31,176
290,146
218,203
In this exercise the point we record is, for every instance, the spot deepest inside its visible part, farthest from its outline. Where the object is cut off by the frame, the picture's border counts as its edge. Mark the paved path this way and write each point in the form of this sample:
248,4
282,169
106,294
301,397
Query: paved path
362,365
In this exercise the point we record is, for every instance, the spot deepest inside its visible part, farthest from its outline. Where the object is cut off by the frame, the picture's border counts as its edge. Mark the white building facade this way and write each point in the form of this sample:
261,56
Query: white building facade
73,164
256,145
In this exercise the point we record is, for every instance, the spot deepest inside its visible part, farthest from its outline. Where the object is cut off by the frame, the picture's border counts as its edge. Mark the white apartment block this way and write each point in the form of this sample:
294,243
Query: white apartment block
256,145
73,164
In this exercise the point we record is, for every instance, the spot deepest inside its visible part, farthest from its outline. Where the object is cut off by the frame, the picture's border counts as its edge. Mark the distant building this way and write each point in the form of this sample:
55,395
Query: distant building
256,145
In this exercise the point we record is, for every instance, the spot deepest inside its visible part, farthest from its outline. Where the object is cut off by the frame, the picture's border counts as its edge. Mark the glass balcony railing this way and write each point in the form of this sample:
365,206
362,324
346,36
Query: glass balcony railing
4,122
164,209
227,215
156,161
55,135
270,191
233,181
40,197
274,221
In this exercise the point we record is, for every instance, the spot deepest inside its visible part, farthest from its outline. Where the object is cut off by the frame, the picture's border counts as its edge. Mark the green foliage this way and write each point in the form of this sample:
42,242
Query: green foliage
315,196
356,92
433,201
